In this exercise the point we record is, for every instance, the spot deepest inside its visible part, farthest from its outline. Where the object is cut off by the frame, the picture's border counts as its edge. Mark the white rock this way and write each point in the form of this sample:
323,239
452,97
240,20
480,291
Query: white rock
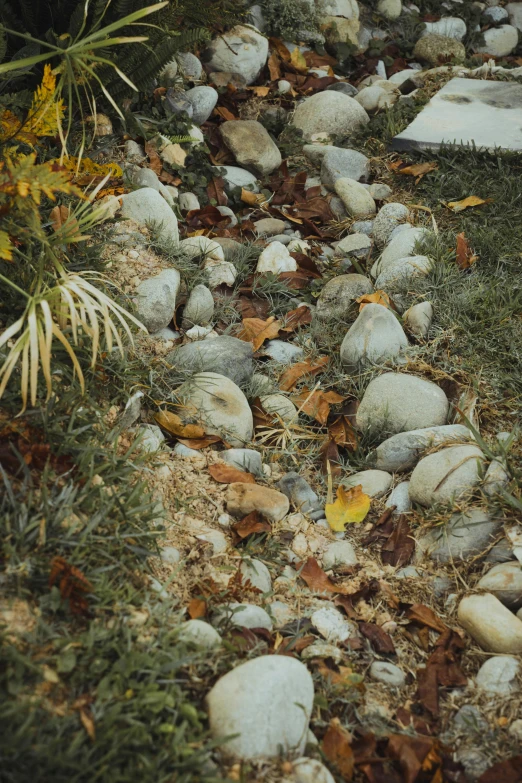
256,572
202,99
505,582
499,675
282,352
170,555
355,197
298,246
354,244
283,86
330,112
400,246
349,9
388,673
499,41
374,98
146,206
241,50
188,201
281,406
183,451
491,624
156,299
275,258
267,702
375,483
332,625
375,337
401,76
379,191
403,269
339,553
310,771
496,478
417,319
216,538
220,273
448,26
516,729
243,616
194,247
322,650
189,65
396,402
281,612
389,217
400,498
446,475
515,14
390,9
236,177
401,451
152,438
200,633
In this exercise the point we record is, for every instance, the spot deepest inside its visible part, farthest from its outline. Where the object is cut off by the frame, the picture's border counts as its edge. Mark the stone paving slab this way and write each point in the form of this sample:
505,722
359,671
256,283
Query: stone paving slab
468,112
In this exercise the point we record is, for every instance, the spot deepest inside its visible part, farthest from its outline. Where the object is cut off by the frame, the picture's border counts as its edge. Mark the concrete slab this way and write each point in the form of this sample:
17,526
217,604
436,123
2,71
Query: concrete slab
468,112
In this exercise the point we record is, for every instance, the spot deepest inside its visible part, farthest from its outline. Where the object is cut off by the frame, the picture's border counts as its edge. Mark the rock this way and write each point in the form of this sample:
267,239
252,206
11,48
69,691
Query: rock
310,771
446,475
242,499
402,76
491,624
500,553
337,298
176,104
283,86
417,319
469,720
241,50
188,201
270,226
316,153
199,633
388,673
499,41
322,650
300,493
256,572
329,112
401,451
243,616
435,49
281,613
244,459
363,226
203,100
467,534
220,273
403,269
505,582
349,9
279,405
400,246
354,196
199,308
448,27
156,299
151,438
358,245
515,729
496,478
168,76
390,9
224,78
475,762
134,152
227,212
376,97
238,178
339,553
515,14
169,554
400,498
409,572
375,483
396,402
275,258
216,538
201,247
225,355
189,66
499,675
375,337
147,206
267,702
251,145
281,352
379,191
184,451
389,217
332,625
344,87
220,405
344,164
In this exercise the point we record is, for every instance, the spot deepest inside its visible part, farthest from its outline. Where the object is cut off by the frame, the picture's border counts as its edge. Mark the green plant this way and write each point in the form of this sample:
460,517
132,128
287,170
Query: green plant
290,19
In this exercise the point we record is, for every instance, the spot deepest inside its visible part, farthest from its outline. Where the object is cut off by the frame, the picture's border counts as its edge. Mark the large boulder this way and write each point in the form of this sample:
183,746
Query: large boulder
329,112
242,50
156,299
251,145
375,338
146,207
225,355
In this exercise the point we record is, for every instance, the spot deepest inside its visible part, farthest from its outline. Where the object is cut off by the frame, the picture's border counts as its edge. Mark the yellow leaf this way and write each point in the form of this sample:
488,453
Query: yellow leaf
351,506
46,111
379,297
6,248
173,424
298,61
260,92
85,170
470,201
253,199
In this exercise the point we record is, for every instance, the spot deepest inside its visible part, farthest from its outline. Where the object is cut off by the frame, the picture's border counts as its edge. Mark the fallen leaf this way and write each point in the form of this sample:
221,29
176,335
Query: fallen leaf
378,297
380,640
197,608
343,433
418,170
465,203
422,614
509,771
225,113
274,67
155,163
464,255
200,443
302,316
316,404
228,474
398,549
88,723
316,578
298,61
344,678
260,92
253,199
256,331
411,753
442,669
252,523
337,748
330,458
351,507
297,371
173,424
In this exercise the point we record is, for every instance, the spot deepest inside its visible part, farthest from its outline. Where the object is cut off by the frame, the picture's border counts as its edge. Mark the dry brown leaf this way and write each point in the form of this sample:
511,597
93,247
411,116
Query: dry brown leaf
316,578
464,254
378,297
465,203
301,316
297,371
88,723
225,113
256,331
400,546
298,61
420,613
252,523
316,404
418,170
274,67
173,424
343,433
337,748
252,199
228,474
330,459
260,92
197,608
200,443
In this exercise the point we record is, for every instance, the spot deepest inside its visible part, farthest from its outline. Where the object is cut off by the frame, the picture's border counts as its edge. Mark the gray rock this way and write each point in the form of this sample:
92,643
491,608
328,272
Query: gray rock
440,585
243,616
236,177
402,270
401,451
379,191
435,49
408,572
151,438
338,295
330,112
505,582
343,163
156,299
256,572
344,87
142,178
267,702
388,218
146,207
339,553
332,625
446,475
469,720
283,353
499,41
168,77
499,675
200,633
376,97
376,337
316,153
396,402
175,103
220,405
189,66
400,498
466,535
375,483
203,100
270,226
417,319
199,308
448,26
500,553
134,152
131,411
169,554
244,459
241,50
184,451
474,761
363,227
225,355
231,248
357,245
401,246
251,145
281,406
188,201
496,478
496,15
300,493
388,673
355,197
310,771
515,14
